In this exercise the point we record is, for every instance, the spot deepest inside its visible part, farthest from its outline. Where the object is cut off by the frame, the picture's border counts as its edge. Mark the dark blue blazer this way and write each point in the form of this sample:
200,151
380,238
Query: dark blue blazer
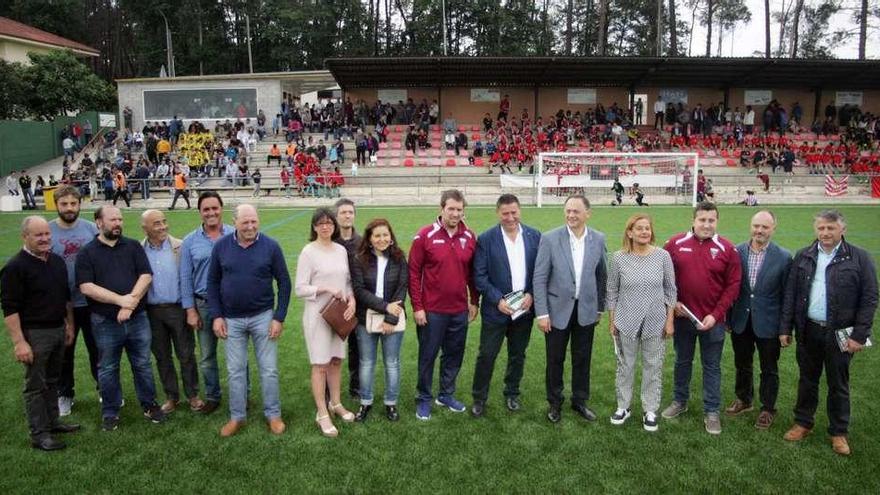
492,270
763,301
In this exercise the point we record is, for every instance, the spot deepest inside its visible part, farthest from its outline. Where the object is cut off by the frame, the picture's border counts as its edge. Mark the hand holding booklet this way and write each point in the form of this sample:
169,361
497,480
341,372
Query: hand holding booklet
516,300
691,316
842,335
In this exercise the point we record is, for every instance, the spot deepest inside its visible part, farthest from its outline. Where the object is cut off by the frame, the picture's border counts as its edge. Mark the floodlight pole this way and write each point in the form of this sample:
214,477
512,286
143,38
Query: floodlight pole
247,20
169,49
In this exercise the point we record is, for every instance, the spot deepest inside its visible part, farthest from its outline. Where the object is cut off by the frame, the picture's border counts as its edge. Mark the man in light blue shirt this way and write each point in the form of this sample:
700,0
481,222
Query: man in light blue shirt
830,300
195,255
817,310
167,318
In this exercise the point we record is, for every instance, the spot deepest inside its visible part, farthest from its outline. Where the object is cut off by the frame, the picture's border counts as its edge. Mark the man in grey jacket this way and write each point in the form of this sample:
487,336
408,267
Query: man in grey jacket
569,288
753,321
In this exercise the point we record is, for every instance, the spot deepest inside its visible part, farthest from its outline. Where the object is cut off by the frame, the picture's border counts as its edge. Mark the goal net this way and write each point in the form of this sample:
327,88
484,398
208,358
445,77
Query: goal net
614,178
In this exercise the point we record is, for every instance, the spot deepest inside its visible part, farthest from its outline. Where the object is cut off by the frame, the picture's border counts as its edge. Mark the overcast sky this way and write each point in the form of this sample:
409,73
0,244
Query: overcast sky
750,38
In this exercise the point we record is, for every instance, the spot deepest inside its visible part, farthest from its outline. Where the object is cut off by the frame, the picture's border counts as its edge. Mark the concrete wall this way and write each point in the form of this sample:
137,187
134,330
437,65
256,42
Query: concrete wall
131,94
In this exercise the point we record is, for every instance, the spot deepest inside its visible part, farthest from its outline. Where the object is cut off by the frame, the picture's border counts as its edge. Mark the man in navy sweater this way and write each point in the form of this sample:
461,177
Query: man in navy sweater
240,301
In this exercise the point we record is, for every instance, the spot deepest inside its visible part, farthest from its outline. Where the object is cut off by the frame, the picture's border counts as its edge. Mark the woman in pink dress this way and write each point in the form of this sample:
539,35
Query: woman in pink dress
322,273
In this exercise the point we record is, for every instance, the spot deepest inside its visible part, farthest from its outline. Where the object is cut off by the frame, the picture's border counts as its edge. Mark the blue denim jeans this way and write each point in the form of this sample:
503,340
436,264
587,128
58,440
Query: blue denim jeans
391,343
111,338
257,328
208,354
711,345
446,332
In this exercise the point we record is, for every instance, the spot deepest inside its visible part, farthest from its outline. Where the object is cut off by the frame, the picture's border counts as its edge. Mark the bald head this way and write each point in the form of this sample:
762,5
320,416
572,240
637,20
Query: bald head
762,227
155,226
247,223
36,235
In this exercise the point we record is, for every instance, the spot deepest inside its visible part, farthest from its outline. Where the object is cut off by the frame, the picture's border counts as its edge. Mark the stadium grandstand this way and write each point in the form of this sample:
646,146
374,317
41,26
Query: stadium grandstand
400,129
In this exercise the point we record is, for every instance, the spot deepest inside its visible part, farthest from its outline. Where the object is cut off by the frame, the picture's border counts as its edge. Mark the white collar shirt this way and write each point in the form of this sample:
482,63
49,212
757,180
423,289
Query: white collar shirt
516,258
577,256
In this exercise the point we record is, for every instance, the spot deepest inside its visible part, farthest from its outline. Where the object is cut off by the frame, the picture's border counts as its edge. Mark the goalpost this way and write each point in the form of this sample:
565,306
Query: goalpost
662,178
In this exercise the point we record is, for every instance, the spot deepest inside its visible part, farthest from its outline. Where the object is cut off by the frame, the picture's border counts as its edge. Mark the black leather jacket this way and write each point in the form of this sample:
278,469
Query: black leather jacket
851,290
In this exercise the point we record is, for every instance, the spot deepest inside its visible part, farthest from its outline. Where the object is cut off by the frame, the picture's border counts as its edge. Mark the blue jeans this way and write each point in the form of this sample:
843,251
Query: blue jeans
367,343
111,338
257,328
711,345
208,354
447,332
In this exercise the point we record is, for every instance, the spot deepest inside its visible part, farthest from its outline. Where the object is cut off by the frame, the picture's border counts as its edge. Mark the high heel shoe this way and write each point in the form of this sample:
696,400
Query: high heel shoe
331,432
340,411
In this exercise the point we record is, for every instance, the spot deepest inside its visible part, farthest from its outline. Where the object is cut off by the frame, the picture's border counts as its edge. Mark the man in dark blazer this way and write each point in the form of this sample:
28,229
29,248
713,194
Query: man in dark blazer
569,284
753,321
504,263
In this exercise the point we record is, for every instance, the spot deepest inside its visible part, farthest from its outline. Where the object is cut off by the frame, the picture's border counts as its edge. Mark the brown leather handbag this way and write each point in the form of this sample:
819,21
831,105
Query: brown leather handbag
333,313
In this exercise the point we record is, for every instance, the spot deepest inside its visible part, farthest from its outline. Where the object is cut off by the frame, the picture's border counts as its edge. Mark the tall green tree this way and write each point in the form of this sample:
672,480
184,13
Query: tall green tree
59,83
13,98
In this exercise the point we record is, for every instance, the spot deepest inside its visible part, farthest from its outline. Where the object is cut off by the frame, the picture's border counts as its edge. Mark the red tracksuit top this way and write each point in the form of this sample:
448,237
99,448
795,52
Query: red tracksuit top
707,273
441,269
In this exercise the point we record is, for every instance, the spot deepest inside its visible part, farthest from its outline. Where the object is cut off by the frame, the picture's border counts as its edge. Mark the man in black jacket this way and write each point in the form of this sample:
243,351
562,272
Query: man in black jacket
832,286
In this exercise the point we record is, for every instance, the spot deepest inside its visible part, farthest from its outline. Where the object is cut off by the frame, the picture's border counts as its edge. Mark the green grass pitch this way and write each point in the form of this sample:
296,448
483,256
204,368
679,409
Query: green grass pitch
453,453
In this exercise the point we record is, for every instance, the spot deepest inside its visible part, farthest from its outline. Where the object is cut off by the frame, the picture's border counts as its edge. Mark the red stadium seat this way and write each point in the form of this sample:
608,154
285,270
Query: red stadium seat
731,162
409,154
462,128
724,153
475,136
609,144
478,162
435,128
398,129
409,162
475,128
450,162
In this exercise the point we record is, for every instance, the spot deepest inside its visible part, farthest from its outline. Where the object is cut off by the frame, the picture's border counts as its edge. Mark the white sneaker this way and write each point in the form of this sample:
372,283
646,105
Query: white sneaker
620,416
64,405
649,421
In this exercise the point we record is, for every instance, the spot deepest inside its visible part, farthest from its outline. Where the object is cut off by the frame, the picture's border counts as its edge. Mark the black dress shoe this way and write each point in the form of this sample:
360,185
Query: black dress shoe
554,414
584,412
391,413
362,413
513,404
65,428
209,407
47,443
478,409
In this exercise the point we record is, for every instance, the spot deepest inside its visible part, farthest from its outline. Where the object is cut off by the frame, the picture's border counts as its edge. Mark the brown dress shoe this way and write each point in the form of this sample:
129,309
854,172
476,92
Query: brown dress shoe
840,445
737,407
277,425
796,433
765,420
169,406
231,428
196,404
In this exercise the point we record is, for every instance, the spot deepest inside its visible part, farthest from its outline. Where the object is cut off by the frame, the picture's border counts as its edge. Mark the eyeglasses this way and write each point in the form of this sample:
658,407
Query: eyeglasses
324,224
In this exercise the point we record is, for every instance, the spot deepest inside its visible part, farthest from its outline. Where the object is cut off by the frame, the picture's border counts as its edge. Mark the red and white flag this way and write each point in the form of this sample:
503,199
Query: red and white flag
835,186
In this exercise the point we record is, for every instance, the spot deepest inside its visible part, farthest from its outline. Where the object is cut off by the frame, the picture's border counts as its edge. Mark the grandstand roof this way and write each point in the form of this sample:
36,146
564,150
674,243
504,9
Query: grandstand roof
603,72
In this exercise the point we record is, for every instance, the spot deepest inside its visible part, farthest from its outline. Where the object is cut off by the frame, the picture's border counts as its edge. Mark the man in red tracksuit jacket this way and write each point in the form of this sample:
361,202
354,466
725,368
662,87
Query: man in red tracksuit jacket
444,299
707,275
